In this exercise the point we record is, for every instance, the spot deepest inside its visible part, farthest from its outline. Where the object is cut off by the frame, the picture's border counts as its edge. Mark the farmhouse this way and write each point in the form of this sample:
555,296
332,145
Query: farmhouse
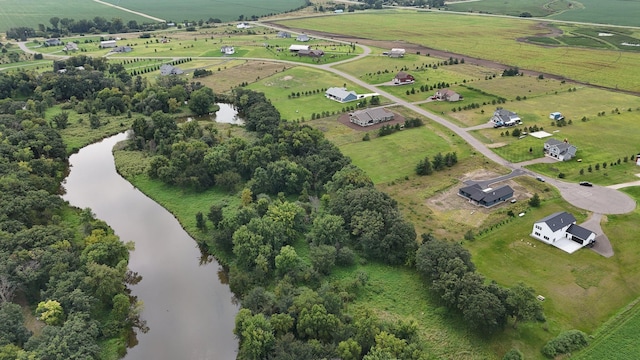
296,47
560,230
122,49
556,116
243,26
52,42
108,44
71,46
228,50
397,53
447,95
303,38
403,78
370,116
340,94
505,117
283,35
560,150
311,53
486,197
167,69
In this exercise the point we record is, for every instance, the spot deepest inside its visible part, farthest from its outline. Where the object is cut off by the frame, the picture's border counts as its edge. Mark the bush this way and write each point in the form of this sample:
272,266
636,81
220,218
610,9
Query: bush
345,256
513,354
565,343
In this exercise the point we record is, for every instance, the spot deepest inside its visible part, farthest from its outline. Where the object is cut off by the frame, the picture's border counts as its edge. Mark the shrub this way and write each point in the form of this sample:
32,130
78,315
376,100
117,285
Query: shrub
565,343
513,354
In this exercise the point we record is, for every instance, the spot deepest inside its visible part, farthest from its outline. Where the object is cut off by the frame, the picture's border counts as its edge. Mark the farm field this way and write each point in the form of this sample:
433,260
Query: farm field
224,10
537,8
457,33
30,13
615,12
279,87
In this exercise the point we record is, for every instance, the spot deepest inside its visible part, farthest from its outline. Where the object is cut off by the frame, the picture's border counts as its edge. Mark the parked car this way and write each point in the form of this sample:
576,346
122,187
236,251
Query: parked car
585,183
539,178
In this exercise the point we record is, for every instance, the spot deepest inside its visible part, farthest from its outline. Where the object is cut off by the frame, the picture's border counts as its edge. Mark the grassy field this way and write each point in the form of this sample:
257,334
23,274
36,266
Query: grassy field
458,34
615,12
224,10
537,8
613,339
280,86
30,13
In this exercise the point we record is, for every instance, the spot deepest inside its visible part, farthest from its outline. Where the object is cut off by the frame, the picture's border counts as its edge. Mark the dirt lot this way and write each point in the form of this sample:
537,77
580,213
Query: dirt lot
344,120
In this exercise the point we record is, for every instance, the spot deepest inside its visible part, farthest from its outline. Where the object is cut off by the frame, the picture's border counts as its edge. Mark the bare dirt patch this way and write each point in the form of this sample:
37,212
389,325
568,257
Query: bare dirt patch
344,120
248,72
496,145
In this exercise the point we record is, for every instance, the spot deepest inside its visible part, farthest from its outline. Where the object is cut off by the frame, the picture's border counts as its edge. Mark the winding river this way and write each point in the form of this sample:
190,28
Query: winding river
189,312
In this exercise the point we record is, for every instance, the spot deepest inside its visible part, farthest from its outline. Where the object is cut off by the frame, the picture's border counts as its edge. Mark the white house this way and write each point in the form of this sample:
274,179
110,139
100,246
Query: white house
560,230
228,50
108,44
71,46
303,38
167,69
243,26
341,94
297,47
560,150
397,53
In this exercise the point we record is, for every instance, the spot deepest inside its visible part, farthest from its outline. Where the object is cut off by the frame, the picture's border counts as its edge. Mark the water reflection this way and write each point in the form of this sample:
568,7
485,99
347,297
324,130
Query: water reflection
226,115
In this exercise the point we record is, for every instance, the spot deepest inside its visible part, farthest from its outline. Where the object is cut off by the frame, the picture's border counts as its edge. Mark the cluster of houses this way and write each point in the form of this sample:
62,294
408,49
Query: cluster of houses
69,46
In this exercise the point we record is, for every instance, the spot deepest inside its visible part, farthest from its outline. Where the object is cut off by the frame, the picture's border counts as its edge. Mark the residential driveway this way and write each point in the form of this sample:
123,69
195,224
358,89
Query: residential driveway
624,185
598,199
602,245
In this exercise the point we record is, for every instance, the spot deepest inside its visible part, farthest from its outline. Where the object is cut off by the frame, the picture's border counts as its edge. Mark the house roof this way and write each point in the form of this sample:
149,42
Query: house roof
558,220
314,52
446,92
476,193
298,47
505,115
579,231
371,114
563,147
403,75
302,37
340,93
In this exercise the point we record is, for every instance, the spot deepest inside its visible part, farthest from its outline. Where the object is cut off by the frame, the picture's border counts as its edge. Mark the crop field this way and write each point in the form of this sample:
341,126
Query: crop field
279,88
614,12
225,10
459,34
30,13
537,8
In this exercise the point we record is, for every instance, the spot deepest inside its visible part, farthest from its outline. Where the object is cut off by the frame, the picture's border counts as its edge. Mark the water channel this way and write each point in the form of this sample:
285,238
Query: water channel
190,314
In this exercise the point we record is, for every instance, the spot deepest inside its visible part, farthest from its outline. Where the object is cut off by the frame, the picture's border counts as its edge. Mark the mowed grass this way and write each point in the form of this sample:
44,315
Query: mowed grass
280,86
204,9
30,13
614,12
577,287
537,8
615,339
487,38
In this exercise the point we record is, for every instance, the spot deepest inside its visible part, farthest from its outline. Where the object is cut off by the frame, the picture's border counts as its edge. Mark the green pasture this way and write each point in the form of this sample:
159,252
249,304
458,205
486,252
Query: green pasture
488,38
205,9
79,133
280,86
509,87
614,339
30,13
537,8
614,37
614,12
395,156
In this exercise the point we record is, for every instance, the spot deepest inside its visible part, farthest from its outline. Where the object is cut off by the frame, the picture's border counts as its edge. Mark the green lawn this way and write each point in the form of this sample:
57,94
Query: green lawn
280,86
615,12
537,8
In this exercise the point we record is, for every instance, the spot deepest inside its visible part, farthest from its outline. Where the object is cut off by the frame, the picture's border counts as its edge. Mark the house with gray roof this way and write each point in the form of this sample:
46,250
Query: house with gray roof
283,35
303,37
370,117
71,46
486,197
340,94
447,95
560,230
505,117
52,42
560,150
167,69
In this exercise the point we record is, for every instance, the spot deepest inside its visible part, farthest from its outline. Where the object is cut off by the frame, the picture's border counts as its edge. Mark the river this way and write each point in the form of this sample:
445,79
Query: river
190,314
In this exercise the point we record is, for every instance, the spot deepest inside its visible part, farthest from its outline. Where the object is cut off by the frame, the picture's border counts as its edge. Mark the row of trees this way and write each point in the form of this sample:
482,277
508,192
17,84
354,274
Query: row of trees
439,162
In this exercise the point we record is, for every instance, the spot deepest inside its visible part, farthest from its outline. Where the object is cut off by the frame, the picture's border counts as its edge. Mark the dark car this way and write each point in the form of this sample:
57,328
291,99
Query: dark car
585,183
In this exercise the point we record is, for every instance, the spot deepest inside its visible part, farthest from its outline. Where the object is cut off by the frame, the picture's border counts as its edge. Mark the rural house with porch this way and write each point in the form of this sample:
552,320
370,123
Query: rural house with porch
403,78
370,117
447,95
560,230
560,150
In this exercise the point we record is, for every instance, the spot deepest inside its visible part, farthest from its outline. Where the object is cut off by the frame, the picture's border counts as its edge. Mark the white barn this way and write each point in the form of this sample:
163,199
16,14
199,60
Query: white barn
108,44
297,47
560,230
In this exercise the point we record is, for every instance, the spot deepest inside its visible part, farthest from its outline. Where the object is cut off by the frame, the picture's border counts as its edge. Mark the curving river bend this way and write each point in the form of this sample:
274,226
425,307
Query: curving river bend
190,314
